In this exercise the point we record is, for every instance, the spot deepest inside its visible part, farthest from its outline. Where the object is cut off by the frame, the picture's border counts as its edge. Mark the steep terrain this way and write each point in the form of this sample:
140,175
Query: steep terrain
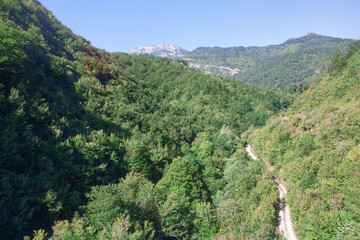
96,145
162,50
116,146
315,147
273,66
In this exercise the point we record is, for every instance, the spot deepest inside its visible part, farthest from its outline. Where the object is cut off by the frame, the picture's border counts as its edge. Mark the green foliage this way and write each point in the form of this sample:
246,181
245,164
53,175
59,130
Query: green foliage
275,66
178,193
205,223
316,143
246,205
119,229
12,52
134,195
105,217
75,119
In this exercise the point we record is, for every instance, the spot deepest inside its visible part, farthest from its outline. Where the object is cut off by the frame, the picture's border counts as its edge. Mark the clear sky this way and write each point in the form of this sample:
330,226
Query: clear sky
119,25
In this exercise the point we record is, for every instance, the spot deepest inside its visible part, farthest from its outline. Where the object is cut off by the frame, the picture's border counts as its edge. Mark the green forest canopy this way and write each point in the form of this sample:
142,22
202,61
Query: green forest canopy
297,60
104,145
96,145
316,146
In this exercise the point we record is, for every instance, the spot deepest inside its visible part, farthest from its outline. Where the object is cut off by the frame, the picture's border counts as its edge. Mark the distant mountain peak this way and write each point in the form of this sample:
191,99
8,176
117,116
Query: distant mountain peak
161,50
313,34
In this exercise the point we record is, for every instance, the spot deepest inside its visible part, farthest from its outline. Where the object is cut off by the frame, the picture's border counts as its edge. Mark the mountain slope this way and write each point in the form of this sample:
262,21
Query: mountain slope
76,119
162,50
274,66
316,146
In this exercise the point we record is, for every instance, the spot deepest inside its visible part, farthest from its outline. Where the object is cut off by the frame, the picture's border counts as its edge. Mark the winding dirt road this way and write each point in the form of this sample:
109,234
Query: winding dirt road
285,224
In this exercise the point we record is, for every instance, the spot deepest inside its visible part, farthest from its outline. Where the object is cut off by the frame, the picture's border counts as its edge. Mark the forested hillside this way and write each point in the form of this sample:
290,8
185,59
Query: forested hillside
274,66
117,146
315,146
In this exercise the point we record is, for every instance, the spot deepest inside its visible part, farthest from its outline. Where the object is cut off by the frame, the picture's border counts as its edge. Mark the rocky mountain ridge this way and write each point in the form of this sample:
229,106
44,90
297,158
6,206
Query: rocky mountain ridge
161,50
296,60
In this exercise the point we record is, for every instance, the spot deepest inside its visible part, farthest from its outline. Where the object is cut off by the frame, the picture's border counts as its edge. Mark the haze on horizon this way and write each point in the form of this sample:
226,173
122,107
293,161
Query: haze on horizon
122,25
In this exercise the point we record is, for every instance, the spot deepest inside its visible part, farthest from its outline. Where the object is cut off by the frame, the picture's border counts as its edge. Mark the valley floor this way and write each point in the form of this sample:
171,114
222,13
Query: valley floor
285,223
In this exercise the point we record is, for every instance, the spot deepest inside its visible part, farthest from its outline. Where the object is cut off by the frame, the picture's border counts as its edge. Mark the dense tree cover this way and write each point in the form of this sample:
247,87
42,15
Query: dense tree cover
246,205
275,66
316,146
178,206
76,119
234,57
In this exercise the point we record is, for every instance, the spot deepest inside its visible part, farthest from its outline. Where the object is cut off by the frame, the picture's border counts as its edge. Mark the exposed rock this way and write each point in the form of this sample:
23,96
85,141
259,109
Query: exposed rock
162,50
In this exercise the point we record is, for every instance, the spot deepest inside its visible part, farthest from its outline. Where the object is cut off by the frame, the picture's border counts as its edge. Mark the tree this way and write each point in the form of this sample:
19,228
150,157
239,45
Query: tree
12,54
179,192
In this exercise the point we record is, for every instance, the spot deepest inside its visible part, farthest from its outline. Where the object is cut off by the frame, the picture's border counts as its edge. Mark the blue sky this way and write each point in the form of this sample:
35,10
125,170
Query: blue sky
119,25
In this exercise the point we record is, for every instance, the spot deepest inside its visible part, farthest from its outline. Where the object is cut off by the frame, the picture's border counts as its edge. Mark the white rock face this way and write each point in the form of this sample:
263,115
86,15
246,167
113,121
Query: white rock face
162,50
214,69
